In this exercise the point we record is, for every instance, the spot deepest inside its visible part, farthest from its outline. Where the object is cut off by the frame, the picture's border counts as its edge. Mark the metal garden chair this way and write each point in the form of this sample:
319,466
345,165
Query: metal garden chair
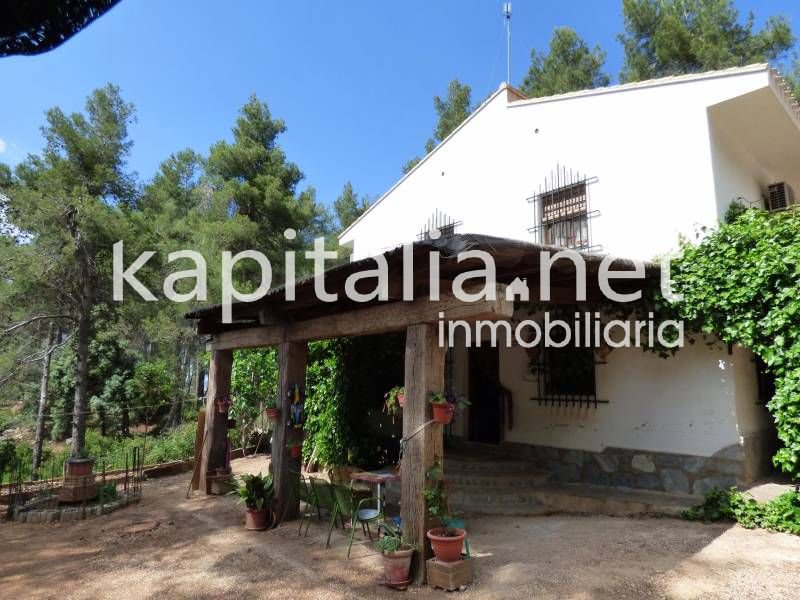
364,511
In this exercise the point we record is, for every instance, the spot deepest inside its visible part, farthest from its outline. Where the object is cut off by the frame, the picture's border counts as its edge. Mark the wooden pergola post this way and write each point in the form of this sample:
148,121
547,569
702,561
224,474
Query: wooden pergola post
292,359
215,440
424,373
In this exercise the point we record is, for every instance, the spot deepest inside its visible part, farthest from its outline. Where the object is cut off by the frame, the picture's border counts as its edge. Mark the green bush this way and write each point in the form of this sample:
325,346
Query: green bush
780,514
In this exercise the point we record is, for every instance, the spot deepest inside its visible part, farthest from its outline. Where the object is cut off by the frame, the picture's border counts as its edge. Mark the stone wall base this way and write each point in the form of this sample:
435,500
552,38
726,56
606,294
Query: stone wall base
642,469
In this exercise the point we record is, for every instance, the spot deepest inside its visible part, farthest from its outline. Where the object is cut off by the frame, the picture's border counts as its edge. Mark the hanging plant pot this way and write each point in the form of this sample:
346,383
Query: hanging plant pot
272,414
447,543
295,451
443,413
255,519
401,399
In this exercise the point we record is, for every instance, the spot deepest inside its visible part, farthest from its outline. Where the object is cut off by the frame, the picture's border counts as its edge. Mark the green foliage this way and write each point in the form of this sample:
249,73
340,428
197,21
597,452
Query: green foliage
391,405
345,385
780,514
570,65
254,386
451,112
349,206
392,540
150,389
106,492
255,491
672,37
741,284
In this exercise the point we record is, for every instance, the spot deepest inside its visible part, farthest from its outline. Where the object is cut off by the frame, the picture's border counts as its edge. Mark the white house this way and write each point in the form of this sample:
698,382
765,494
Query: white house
625,170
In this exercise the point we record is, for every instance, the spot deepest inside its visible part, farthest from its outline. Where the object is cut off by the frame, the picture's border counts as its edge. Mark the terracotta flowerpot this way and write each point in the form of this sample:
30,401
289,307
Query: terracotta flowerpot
295,451
443,413
272,414
397,568
446,548
401,399
77,467
254,519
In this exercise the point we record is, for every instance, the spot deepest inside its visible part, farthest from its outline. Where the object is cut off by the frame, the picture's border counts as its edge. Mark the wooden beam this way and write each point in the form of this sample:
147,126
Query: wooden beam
378,318
424,373
215,443
292,360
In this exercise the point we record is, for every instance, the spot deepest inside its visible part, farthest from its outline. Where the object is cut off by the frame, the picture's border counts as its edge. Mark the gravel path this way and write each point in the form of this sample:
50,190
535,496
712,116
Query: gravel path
171,547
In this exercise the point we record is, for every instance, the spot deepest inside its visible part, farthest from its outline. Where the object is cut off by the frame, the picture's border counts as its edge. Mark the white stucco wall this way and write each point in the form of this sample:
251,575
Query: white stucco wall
649,147
698,402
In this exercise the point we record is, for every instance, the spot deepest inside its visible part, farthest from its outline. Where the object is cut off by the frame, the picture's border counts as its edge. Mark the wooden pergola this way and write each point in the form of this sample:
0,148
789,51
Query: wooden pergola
290,325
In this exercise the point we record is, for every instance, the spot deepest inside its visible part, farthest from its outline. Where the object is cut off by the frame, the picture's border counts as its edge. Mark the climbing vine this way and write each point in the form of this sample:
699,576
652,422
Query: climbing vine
742,283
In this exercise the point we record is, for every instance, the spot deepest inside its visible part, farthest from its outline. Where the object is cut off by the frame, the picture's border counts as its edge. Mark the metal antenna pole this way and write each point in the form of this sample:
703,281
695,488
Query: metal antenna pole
507,15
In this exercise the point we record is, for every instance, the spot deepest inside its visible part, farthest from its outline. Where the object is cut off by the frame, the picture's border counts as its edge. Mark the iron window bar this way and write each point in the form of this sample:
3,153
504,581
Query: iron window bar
562,211
440,221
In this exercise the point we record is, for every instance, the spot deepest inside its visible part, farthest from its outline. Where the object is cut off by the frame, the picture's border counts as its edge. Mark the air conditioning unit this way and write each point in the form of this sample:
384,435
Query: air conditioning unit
780,196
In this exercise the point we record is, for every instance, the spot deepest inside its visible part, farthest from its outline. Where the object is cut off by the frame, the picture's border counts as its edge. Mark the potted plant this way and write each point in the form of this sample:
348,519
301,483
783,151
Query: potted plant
271,408
397,554
395,398
256,492
445,406
446,541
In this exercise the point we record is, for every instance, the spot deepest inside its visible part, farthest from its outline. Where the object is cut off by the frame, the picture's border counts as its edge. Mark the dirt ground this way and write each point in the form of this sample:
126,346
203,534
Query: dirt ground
171,547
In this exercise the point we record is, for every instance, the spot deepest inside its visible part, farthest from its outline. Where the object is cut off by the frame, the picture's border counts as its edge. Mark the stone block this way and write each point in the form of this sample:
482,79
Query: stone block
643,463
574,457
705,485
594,475
648,481
693,464
674,480
623,480
564,472
608,462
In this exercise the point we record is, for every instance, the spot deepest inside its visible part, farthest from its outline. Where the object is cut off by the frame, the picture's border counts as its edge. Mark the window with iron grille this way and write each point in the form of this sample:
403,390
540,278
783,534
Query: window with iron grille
562,212
565,217
441,222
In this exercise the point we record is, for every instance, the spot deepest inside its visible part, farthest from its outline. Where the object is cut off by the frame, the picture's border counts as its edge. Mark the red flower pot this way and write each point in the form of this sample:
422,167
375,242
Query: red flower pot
272,414
78,467
397,568
447,548
401,399
254,519
443,413
295,451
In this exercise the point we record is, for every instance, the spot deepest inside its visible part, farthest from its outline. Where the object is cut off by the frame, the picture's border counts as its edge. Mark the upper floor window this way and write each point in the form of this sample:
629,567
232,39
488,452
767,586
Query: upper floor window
562,212
438,221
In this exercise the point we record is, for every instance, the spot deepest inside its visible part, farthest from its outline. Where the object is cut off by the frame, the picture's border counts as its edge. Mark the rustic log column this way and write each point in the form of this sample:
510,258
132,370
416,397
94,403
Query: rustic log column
424,373
215,443
292,359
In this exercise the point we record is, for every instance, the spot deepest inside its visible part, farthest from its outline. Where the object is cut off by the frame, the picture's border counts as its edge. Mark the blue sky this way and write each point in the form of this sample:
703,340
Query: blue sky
353,80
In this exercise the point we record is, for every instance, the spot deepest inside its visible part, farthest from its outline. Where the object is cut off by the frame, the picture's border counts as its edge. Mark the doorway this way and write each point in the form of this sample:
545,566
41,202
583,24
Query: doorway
485,411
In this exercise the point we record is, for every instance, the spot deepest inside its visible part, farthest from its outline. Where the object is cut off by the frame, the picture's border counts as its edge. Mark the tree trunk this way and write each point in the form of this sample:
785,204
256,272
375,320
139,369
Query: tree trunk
176,409
44,384
81,382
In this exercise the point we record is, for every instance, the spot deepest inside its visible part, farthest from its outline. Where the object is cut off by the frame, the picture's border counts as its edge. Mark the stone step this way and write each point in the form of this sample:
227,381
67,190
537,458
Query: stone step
568,498
490,480
494,466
